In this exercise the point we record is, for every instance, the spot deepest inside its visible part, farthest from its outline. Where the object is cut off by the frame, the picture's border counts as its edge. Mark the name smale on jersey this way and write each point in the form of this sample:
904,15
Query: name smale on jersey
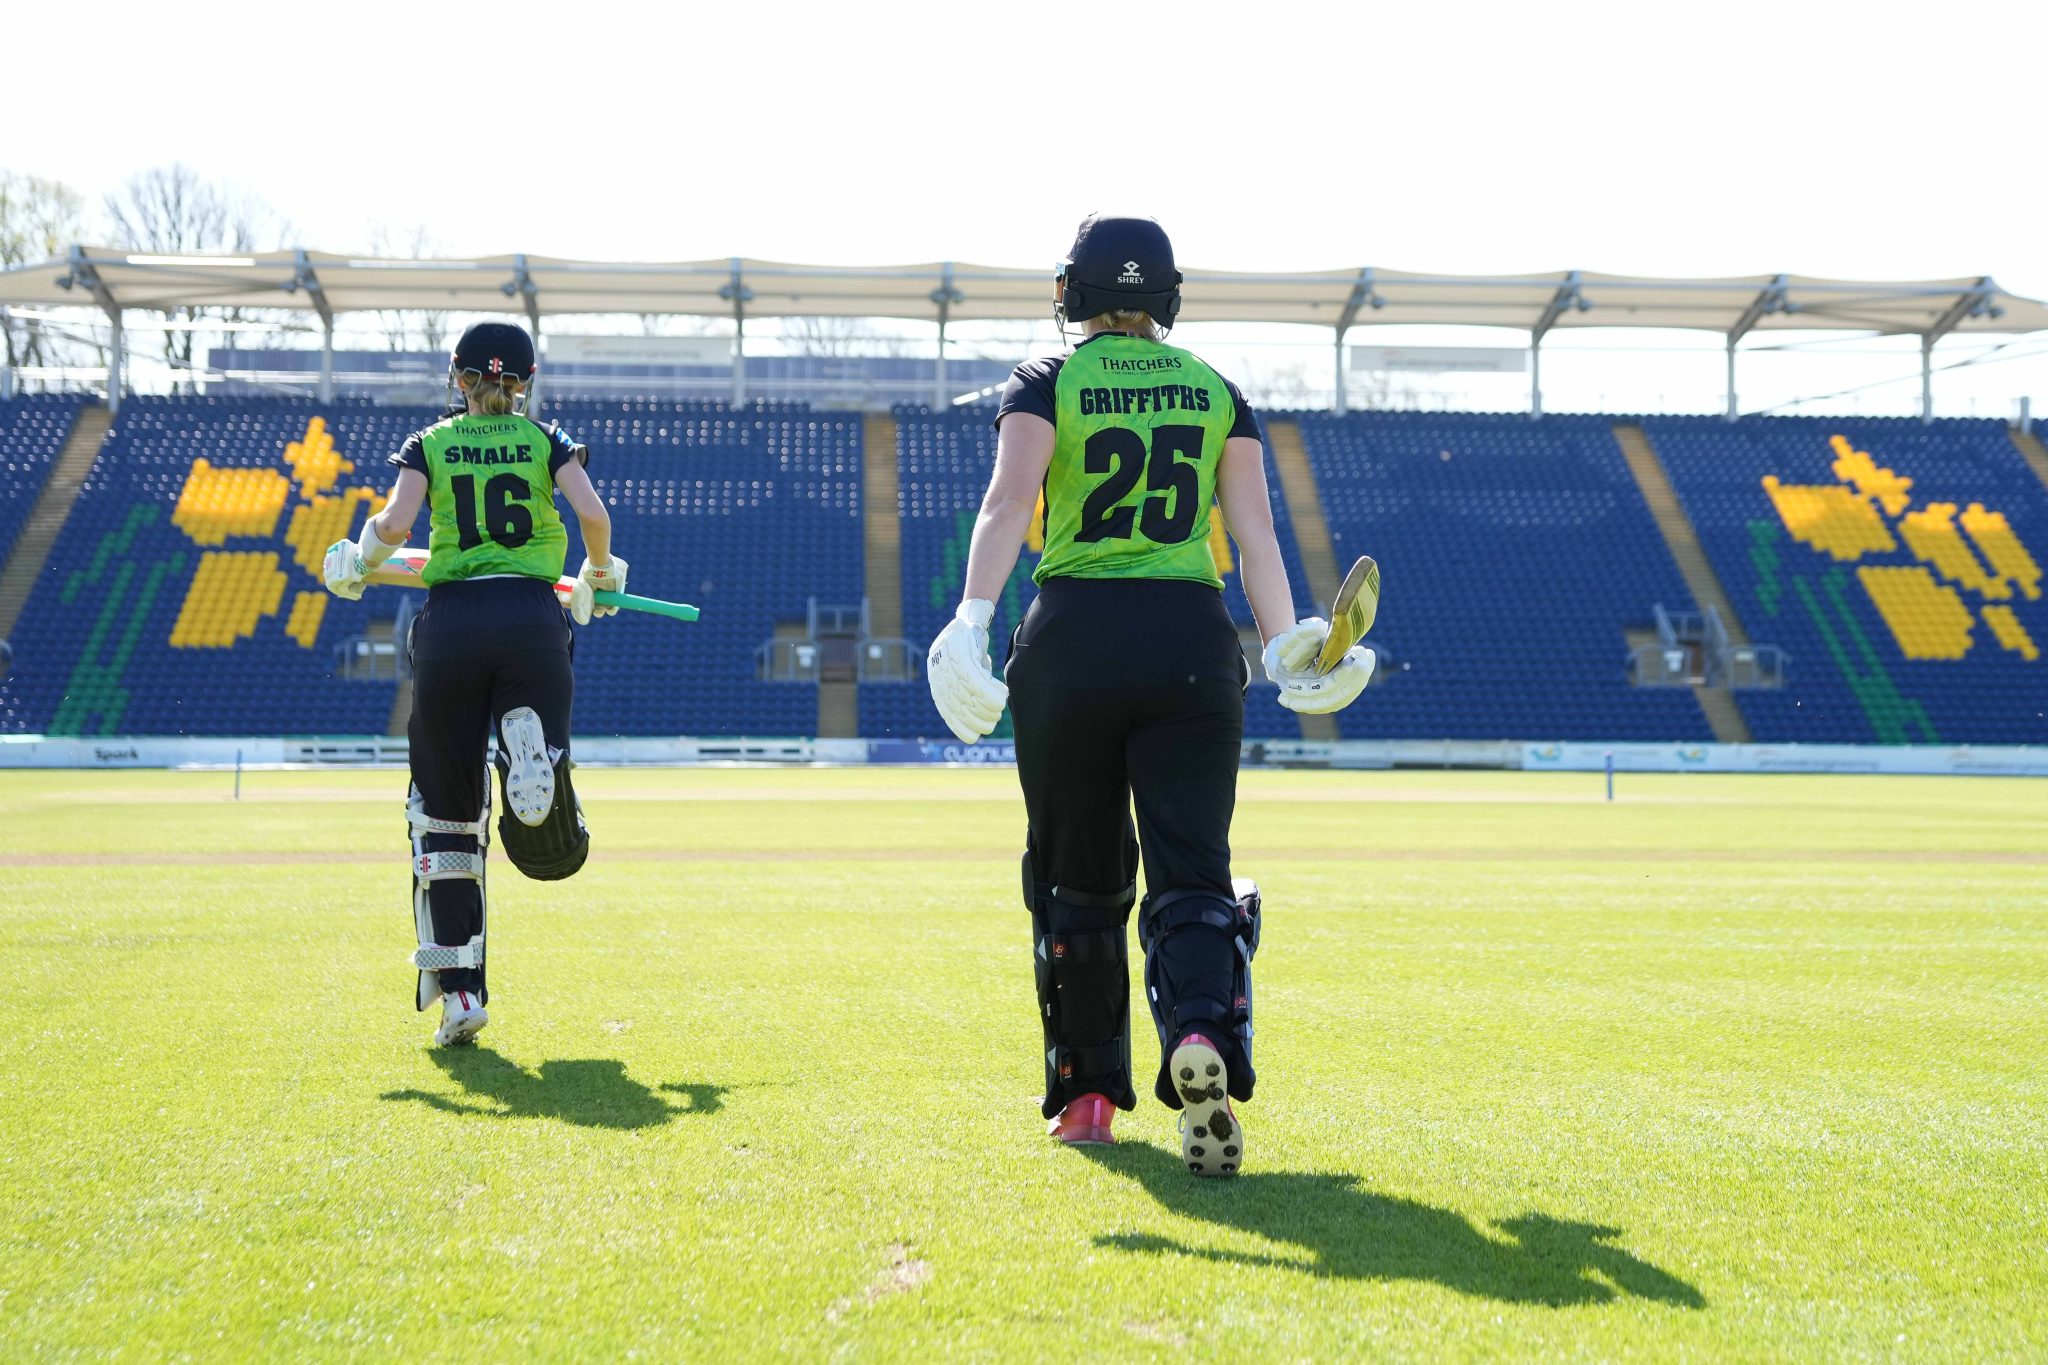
519,454
1161,398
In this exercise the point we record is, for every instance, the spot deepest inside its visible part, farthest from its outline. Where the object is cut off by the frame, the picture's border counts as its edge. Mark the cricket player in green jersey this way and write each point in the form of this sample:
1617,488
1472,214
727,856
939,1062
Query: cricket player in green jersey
1126,687
491,652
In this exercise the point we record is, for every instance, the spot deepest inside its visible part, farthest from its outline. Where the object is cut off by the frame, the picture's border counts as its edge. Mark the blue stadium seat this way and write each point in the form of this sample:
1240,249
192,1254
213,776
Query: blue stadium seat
1514,553
1851,680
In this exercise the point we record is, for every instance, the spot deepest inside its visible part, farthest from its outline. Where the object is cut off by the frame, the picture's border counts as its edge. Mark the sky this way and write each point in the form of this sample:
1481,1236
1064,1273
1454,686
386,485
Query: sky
1877,141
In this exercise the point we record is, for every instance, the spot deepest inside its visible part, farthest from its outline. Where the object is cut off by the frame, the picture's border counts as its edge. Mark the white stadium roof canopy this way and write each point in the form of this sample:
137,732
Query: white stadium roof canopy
322,282
945,291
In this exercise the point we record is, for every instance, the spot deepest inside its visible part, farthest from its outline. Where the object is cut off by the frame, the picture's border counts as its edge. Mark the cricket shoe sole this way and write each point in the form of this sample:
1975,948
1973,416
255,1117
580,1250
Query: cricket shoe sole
1211,1142
460,1025
530,773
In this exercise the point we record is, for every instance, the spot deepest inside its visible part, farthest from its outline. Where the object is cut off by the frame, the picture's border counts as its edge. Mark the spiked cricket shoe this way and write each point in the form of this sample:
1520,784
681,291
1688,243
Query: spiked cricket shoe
1210,1140
530,772
462,1017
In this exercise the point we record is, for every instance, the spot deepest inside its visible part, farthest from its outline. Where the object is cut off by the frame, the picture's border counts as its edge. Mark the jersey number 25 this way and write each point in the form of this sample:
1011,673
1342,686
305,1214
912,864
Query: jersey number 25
1169,472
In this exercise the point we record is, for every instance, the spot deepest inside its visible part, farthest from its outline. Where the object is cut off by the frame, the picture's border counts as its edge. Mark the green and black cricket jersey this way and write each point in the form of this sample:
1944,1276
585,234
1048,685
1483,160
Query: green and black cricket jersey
1139,428
491,495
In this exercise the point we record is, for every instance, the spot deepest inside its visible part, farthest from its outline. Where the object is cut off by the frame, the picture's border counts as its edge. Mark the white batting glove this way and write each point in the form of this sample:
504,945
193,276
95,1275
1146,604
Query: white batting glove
343,570
593,579
964,686
1290,659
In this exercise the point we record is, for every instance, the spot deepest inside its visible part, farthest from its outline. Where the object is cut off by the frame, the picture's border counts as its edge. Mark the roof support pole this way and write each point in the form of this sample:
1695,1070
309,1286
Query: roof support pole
116,361
304,278
83,273
1567,296
1974,302
1362,296
1927,378
1339,404
736,292
1771,300
6,350
521,285
945,296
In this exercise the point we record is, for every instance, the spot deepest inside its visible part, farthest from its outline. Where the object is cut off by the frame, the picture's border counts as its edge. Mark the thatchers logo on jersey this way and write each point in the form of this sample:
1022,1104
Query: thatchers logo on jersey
1153,362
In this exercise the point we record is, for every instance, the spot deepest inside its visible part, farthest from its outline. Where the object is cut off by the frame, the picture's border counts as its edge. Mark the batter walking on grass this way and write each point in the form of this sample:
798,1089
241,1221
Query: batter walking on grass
1126,683
490,651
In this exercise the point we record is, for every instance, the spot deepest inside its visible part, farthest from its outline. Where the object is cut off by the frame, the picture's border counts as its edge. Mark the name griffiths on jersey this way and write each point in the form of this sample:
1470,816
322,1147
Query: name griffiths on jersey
487,455
1161,398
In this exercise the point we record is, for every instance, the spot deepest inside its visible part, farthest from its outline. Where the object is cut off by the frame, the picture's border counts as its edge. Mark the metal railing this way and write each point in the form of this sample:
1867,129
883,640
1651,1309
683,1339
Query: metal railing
1693,649
787,661
361,659
890,661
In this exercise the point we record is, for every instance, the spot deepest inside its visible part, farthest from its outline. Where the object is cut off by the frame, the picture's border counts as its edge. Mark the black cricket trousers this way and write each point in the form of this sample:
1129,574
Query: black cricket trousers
480,647
1123,692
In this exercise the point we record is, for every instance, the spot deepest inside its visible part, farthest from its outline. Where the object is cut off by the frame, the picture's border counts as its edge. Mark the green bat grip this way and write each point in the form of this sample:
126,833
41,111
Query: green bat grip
654,606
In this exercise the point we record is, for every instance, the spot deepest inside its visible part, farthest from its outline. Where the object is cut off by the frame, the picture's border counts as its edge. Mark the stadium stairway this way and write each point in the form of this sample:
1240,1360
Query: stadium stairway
883,521
1677,529
53,506
1311,534
2031,450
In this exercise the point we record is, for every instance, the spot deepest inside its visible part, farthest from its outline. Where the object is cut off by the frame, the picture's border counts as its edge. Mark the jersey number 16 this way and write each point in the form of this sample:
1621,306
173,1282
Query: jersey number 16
1169,471
507,519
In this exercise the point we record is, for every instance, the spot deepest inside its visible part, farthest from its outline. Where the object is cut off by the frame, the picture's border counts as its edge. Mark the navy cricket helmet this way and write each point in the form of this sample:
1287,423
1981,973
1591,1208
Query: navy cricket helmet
494,350
1119,264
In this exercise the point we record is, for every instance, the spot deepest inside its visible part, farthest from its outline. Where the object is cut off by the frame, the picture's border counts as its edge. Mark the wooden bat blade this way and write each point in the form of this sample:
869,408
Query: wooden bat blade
1352,614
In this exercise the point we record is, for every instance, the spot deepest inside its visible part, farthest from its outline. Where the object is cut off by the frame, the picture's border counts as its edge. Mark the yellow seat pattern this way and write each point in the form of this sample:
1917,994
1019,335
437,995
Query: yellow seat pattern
2003,550
1928,620
308,610
317,524
1931,534
217,503
1830,518
316,464
2011,633
1872,480
233,590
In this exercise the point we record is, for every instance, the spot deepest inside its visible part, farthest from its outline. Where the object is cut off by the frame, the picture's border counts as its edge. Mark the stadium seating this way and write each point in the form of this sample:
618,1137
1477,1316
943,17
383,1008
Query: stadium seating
1898,562
1514,555
183,595
749,513
32,432
943,465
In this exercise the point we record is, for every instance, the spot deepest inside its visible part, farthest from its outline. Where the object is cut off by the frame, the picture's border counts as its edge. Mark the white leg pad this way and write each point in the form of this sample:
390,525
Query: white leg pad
431,958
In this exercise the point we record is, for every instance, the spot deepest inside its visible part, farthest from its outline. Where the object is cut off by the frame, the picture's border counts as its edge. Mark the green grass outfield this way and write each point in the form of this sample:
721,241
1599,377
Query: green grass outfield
1735,1068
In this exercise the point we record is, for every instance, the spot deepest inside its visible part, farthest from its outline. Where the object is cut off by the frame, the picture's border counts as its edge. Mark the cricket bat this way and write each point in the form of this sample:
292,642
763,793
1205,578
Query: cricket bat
1351,615
404,570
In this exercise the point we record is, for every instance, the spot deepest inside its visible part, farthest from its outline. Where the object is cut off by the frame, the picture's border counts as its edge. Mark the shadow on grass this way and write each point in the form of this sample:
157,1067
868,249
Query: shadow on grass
1348,1232
593,1093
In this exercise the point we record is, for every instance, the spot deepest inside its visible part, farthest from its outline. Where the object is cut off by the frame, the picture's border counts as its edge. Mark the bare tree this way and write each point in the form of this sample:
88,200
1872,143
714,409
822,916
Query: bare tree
171,211
39,219
410,329
840,337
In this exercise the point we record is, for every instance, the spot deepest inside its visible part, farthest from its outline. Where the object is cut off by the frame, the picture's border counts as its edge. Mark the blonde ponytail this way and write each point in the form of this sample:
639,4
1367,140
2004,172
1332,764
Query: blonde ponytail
1139,324
493,397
